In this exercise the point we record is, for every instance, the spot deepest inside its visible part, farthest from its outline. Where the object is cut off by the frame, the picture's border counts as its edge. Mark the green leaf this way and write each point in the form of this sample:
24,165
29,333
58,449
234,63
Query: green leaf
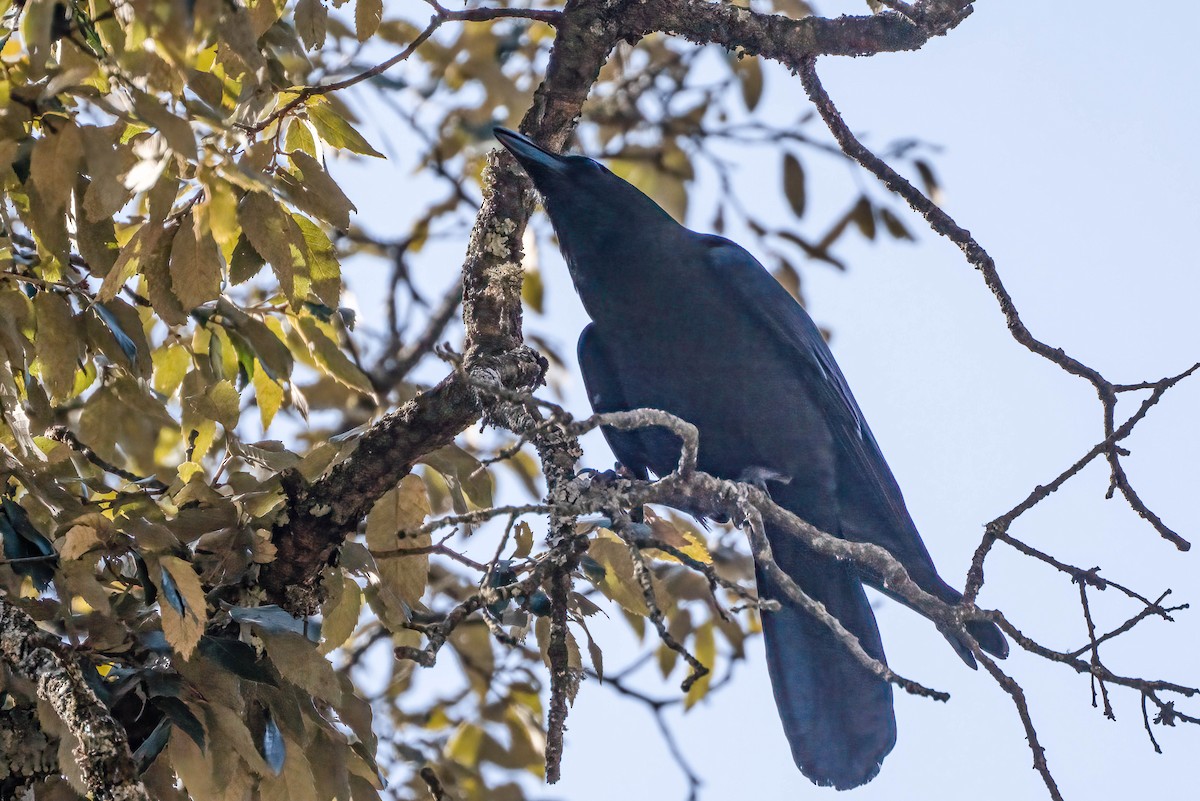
271,352
333,128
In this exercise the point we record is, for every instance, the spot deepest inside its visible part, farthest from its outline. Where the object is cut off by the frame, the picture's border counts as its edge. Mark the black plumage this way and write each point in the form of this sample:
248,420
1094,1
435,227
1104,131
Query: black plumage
692,324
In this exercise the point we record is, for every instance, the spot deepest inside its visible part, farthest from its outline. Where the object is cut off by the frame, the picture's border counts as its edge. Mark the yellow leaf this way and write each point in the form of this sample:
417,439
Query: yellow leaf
297,660
219,210
194,394
194,767
311,19
97,239
182,628
367,16
330,358
750,74
532,290
271,352
618,583
188,469
171,364
37,24
316,192
107,162
195,264
295,782
340,611
324,269
299,133
268,394
229,735
54,165
401,509
80,540
542,632
225,400
153,262
273,233
524,537
705,650
463,745
58,343
149,243
175,130
793,183
683,539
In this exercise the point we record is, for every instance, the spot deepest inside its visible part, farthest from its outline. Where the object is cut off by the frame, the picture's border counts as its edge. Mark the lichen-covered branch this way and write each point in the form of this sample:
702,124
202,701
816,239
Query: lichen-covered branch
101,750
788,40
319,516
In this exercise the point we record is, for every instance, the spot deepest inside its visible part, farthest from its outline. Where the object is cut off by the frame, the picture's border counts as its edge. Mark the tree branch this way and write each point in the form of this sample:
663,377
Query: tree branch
102,750
788,40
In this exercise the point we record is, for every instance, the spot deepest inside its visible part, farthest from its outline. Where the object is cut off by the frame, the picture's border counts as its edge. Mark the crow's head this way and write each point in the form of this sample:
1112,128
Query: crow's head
581,195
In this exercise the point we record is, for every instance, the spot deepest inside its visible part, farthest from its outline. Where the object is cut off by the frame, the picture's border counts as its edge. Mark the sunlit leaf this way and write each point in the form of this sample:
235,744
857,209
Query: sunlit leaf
367,15
185,611
390,527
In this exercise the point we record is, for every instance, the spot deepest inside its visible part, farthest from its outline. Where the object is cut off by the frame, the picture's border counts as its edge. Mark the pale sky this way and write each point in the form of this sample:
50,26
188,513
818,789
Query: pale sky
1068,133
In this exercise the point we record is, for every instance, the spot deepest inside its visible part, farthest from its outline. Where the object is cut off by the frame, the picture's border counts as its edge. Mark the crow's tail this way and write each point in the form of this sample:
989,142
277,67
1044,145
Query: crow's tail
837,715
985,632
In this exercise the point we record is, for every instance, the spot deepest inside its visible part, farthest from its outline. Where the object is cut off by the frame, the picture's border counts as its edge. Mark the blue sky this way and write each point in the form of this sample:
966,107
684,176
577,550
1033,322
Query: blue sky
1068,133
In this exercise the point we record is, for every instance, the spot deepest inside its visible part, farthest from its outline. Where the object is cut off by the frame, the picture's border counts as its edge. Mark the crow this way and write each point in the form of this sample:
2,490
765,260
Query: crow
692,324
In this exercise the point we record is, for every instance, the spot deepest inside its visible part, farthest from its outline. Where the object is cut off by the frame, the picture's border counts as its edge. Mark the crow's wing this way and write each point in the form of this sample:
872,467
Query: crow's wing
871,506
837,715
638,449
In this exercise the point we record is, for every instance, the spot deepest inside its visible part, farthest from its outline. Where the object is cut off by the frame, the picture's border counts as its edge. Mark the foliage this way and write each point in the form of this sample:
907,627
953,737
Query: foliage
175,360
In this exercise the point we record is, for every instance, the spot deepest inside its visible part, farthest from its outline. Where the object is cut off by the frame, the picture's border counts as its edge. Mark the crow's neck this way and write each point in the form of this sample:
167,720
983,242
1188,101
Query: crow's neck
617,270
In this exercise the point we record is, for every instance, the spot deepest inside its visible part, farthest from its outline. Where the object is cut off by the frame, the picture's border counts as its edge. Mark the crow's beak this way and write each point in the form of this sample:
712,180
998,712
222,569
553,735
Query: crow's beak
533,157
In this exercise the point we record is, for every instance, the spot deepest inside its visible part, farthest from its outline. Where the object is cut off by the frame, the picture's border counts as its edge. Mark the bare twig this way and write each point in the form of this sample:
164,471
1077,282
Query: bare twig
67,437
442,16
